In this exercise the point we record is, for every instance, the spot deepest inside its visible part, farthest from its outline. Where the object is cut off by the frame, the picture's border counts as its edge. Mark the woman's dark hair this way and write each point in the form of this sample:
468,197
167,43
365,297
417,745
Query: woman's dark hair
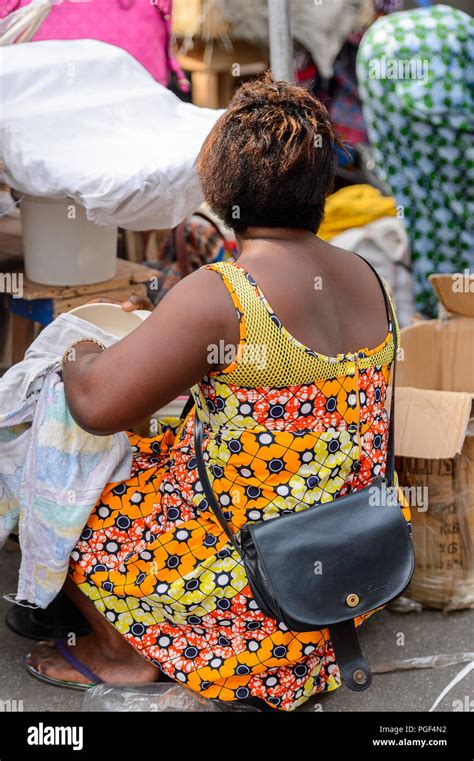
270,159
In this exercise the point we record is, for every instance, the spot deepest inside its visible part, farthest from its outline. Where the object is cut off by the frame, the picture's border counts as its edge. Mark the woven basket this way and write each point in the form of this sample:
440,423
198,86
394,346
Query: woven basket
199,18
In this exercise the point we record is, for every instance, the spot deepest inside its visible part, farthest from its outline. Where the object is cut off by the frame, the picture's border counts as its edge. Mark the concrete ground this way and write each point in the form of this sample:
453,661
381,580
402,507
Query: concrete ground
424,634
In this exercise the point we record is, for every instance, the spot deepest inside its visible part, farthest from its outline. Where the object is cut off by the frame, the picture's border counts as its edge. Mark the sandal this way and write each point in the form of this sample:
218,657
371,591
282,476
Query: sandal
57,621
65,651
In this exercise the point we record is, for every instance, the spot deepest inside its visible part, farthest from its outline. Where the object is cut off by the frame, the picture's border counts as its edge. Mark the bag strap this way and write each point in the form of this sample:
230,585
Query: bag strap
188,405
179,237
211,222
353,667
218,230
182,256
206,485
390,460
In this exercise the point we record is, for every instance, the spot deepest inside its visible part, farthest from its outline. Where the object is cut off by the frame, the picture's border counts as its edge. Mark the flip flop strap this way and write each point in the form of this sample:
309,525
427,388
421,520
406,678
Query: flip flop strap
65,651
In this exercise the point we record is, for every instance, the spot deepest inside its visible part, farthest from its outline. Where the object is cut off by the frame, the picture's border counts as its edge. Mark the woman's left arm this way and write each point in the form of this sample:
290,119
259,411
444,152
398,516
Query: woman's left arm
113,390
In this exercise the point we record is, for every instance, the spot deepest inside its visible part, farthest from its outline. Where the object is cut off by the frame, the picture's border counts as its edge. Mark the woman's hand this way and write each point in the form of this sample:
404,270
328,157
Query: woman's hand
137,302
129,305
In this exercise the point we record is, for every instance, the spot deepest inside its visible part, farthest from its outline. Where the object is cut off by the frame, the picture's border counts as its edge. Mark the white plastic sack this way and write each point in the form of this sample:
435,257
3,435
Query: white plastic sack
85,120
384,243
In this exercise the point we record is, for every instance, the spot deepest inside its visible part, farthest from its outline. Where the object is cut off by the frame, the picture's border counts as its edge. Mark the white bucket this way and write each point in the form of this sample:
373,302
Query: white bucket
111,317
62,247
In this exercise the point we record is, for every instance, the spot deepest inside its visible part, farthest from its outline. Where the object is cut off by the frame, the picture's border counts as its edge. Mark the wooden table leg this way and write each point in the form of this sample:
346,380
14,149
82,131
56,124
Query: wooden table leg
23,333
205,88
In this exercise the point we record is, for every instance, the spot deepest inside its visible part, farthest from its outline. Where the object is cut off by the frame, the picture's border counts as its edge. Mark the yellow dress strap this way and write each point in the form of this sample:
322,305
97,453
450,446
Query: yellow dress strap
268,355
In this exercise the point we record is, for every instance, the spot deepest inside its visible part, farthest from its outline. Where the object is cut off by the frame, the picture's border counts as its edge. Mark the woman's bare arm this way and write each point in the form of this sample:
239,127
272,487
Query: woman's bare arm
113,390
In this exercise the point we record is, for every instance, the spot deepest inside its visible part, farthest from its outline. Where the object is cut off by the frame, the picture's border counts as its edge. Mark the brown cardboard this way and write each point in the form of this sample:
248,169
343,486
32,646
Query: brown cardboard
434,443
438,355
443,535
431,424
455,292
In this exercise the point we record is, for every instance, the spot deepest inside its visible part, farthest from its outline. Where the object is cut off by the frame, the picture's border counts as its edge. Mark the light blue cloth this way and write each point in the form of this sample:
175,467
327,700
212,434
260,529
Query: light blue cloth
51,471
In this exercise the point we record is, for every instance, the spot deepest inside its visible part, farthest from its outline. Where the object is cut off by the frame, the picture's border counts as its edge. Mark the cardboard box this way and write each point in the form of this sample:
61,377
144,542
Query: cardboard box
434,443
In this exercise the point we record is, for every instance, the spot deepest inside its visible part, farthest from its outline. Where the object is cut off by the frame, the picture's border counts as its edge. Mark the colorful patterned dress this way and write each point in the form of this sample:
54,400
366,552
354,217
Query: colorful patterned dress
286,428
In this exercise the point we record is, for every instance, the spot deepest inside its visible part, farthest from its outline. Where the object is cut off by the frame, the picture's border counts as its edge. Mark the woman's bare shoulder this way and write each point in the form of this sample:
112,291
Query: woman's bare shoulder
203,292
352,268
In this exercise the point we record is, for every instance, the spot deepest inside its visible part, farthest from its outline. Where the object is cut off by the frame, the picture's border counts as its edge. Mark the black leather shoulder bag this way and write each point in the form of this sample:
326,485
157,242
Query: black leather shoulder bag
324,565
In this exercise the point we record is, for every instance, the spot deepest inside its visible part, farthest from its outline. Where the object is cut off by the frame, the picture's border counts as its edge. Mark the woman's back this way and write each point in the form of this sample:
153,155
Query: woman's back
275,381
326,297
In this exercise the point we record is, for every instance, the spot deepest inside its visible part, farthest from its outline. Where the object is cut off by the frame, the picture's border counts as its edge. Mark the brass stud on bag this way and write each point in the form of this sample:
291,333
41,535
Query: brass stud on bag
352,600
359,676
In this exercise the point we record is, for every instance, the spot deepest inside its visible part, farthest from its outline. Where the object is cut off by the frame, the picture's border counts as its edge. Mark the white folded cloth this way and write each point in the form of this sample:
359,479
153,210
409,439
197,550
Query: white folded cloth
52,472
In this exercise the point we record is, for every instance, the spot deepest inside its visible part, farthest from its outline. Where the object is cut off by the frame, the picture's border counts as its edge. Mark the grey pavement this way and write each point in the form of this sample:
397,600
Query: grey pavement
426,633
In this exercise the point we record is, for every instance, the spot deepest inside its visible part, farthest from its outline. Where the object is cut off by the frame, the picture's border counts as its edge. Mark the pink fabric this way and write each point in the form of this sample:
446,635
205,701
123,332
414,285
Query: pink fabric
141,27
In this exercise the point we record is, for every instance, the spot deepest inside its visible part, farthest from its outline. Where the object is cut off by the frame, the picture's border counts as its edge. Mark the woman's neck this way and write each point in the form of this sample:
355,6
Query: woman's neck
286,235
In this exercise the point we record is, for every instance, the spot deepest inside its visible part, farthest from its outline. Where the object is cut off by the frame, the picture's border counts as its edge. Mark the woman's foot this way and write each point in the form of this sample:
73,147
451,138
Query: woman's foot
119,664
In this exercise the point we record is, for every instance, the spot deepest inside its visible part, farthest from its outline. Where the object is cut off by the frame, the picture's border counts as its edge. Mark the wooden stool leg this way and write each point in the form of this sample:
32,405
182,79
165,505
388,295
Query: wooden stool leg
23,333
134,246
205,86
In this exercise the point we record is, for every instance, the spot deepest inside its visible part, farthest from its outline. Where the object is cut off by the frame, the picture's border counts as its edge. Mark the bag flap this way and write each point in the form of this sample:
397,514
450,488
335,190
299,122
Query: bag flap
321,560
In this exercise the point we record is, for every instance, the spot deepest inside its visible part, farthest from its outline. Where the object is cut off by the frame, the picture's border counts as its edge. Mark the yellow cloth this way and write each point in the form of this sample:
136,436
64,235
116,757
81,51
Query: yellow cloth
354,206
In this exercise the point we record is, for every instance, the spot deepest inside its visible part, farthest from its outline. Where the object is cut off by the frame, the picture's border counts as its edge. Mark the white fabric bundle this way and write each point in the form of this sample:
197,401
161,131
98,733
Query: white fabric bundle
320,26
384,243
85,120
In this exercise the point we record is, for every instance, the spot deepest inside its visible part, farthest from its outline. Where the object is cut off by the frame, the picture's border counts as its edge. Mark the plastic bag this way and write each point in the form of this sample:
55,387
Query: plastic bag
106,134
438,661
155,698
405,605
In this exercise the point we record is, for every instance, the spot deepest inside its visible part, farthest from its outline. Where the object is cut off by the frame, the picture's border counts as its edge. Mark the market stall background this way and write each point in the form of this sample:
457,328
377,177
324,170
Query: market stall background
140,178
